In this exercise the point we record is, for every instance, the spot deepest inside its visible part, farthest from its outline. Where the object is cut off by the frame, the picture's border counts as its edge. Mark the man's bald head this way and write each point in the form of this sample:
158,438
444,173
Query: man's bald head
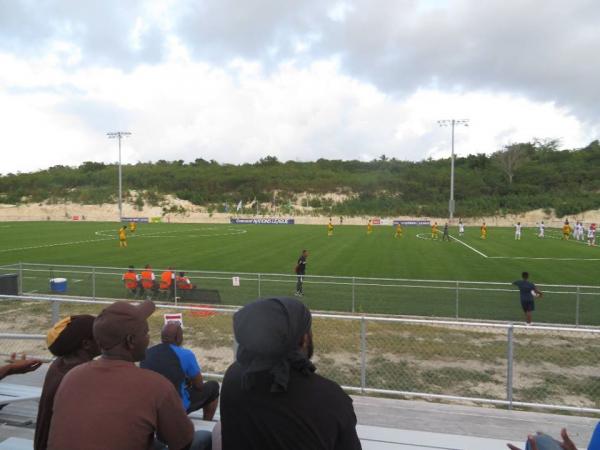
172,334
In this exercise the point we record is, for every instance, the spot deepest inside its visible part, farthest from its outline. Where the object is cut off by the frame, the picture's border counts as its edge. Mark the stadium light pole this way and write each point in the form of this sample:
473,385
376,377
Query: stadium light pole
119,135
452,123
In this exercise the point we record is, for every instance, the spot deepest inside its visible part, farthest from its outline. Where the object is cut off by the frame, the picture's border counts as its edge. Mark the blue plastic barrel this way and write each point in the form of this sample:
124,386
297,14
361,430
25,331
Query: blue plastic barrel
58,284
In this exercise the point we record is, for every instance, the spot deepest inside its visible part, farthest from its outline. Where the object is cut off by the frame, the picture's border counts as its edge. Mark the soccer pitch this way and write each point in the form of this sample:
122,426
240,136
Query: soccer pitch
349,252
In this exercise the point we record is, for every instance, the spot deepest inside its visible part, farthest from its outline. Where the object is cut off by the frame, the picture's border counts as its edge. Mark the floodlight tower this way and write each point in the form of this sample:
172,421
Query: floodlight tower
452,123
119,135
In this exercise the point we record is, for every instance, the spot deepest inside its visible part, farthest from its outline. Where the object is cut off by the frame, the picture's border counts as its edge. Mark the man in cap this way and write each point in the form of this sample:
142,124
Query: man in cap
110,403
72,341
179,365
271,398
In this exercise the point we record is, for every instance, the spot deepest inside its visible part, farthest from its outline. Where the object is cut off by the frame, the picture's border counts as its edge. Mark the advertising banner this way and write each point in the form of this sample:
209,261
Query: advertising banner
412,222
261,221
135,219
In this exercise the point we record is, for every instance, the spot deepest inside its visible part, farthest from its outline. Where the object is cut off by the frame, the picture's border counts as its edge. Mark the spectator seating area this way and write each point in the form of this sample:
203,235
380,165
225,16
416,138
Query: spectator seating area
384,424
12,393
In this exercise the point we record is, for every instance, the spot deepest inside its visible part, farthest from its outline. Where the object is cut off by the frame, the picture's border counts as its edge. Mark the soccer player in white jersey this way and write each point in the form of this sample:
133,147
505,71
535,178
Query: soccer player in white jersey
461,228
541,227
592,234
518,231
580,231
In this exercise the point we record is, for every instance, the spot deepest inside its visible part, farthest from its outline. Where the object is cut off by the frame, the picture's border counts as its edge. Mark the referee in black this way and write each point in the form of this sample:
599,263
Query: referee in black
300,272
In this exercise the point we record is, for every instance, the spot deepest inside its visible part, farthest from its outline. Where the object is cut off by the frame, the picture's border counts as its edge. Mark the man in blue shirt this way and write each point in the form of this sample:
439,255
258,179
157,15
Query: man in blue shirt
527,291
179,365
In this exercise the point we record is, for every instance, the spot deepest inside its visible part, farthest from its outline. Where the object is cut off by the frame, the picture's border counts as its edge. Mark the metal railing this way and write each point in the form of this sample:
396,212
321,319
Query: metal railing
562,304
542,367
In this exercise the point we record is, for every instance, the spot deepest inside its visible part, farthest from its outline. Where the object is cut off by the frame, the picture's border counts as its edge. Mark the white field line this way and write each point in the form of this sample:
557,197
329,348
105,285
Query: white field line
573,240
551,235
192,233
469,247
547,258
5,250
106,238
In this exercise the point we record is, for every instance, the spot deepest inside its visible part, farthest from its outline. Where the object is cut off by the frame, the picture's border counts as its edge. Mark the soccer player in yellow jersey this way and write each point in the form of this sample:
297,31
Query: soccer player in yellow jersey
566,229
398,231
434,231
483,231
369,227
132,227
123,236
329,228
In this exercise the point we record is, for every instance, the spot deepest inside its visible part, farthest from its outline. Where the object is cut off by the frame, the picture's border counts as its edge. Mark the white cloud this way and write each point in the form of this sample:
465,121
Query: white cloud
182,109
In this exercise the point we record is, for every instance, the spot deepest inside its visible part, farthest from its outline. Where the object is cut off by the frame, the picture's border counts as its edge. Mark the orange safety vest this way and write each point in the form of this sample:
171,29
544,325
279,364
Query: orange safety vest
182,284
130,279
147,282
166,279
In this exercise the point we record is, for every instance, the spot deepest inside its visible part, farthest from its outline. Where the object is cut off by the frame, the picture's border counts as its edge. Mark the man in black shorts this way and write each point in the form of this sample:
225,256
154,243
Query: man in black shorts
300,272
527,291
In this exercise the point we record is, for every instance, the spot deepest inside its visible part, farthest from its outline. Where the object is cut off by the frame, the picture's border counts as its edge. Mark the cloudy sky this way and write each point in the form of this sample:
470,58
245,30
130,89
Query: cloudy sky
236,80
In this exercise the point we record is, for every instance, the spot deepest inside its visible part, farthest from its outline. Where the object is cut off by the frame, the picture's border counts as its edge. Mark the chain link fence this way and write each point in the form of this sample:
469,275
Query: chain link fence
561,304
502,364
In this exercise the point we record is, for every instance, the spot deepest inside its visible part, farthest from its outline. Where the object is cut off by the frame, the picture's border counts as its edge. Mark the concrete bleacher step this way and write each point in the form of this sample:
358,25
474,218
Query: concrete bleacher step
11,393
14,443
378,438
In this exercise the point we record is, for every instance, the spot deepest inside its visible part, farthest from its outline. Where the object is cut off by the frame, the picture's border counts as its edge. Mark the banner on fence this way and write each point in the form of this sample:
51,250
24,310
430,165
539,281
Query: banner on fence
175,317
155,219
376,221
412,222
135,219
261,221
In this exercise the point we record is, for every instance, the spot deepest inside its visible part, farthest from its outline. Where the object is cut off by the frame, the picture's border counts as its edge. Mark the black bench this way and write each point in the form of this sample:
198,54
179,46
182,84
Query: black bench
199,296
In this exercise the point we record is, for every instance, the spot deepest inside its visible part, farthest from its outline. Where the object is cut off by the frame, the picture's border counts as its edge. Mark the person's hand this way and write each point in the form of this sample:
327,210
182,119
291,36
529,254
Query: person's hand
23,365
530,440
567,443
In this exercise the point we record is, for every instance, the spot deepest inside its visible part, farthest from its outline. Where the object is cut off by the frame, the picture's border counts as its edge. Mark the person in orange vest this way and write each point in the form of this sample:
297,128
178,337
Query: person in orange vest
167,280
132,281
148,280
184,283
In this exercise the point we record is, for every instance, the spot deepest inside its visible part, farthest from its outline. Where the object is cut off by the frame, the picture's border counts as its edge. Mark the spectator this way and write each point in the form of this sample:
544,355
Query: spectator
166,281
72,341
18,366
184,283
132,281
179,365
148,280
566,444
526,292
110,403
271,398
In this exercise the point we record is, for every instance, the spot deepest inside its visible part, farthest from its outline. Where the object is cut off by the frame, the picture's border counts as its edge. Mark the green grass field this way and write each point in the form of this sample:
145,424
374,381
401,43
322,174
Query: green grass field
350,252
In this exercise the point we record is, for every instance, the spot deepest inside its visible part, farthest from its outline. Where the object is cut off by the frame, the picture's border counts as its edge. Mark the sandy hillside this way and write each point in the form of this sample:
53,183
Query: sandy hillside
196,214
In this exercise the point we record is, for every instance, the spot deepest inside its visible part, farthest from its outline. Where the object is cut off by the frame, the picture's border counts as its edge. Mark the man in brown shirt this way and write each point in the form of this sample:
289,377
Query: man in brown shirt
112,404
72,341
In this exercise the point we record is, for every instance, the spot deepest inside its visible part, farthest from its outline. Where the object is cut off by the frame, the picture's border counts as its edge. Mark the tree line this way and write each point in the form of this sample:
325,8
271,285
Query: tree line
518,178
